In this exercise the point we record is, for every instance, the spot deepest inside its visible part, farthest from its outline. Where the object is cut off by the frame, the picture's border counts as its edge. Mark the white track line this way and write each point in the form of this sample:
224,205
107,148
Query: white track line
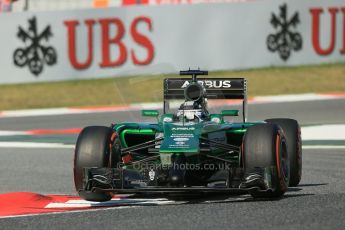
324,132
12,133
294,98
111,203
34,145
158,105
323,146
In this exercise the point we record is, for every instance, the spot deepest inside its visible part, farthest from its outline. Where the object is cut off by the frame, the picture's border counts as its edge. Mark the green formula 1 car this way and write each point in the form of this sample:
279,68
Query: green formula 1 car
190,150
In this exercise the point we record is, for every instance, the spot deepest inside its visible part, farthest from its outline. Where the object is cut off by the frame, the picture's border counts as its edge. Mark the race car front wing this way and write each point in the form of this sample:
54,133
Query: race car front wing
128,181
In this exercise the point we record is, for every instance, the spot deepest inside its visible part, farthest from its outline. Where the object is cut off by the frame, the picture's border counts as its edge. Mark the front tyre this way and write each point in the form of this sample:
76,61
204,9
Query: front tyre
93,149
292,132
266,159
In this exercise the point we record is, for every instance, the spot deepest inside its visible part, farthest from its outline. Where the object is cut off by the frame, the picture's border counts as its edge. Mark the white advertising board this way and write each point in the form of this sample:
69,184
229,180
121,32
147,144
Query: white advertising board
84,44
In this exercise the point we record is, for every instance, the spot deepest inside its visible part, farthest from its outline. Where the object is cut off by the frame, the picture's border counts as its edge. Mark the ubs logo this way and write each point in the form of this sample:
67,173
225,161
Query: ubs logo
36,52
286,39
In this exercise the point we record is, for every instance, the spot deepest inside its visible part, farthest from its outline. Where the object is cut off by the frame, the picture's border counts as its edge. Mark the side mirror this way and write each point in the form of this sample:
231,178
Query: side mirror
150,113
230,113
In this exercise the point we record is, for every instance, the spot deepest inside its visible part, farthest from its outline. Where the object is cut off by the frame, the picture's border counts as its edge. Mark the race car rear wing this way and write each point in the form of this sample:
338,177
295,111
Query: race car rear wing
216,88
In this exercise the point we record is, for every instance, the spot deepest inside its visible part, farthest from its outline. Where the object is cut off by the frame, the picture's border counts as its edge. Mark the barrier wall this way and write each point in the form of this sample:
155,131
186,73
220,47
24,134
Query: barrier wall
83,44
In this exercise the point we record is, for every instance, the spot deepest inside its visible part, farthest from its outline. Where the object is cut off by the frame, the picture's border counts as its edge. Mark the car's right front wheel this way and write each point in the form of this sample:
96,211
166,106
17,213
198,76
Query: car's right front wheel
292,133
92,150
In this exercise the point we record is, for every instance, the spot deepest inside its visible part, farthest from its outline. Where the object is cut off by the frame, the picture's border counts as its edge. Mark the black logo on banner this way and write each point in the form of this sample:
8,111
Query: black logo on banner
36,52
285,39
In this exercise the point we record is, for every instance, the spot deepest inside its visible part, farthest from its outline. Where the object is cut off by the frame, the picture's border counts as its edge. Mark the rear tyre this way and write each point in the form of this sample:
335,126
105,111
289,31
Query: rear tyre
93,149
292,133
264,153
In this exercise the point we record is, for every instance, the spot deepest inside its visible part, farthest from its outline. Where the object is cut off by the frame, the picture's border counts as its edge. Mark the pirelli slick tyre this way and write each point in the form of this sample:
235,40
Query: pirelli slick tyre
264,151
292,133
93,149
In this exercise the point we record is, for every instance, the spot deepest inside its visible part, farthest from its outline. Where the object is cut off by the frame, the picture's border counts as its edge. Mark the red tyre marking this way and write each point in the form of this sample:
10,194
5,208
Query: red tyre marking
277,155
113,136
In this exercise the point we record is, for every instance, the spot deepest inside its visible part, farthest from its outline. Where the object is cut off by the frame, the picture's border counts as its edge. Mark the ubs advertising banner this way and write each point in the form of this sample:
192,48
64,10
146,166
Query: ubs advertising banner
84,44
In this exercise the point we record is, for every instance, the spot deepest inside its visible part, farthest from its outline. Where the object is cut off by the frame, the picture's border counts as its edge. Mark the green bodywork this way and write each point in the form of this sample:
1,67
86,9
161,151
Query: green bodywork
184,137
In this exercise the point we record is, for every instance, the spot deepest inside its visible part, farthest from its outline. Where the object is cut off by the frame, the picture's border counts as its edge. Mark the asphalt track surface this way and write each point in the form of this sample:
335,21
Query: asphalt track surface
307,113
318,203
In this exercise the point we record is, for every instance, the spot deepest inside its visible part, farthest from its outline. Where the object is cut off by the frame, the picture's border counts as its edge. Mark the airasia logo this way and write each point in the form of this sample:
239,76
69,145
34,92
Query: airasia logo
109,59
317,15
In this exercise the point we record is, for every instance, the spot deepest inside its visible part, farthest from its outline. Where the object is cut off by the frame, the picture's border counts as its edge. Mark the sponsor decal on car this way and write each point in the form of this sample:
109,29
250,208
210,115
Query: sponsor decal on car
181,139
211,84
183,128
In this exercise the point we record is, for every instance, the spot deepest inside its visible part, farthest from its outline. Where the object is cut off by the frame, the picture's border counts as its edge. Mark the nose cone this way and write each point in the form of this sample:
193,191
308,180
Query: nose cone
180,139
177,170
